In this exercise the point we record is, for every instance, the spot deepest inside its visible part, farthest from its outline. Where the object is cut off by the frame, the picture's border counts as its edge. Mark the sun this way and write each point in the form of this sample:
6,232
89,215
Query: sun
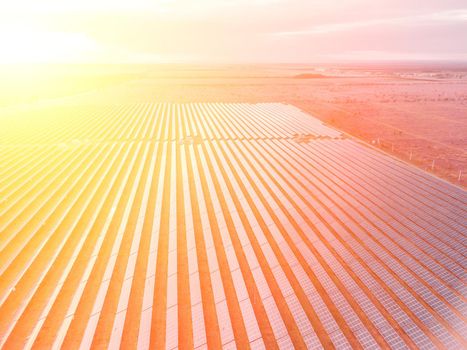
27,44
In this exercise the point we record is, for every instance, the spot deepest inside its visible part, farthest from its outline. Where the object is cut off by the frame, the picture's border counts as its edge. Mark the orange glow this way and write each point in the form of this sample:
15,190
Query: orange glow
233,174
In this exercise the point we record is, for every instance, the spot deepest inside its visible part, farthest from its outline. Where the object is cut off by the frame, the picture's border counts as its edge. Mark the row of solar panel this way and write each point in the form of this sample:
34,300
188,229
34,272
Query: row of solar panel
352,271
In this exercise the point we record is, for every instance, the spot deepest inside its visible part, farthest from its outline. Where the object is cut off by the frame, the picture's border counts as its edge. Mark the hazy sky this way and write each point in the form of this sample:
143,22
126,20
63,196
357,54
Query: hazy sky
231,31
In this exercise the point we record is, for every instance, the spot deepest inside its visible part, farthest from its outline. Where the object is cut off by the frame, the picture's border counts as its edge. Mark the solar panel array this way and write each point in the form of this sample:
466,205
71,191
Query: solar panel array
209,225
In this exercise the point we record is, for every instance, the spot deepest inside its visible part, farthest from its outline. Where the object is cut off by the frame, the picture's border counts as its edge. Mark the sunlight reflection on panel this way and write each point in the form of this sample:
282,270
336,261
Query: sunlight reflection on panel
221,225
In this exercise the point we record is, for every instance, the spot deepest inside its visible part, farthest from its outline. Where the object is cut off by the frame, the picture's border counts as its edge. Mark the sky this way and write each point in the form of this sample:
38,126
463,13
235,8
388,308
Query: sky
231,31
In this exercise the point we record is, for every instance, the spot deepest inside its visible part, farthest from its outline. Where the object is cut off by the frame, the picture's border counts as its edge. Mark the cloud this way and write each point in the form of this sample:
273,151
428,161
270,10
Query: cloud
233,30
423,19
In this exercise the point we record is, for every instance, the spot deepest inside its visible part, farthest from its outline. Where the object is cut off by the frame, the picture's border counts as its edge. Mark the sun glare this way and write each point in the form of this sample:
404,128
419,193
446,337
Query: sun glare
233,174
29,45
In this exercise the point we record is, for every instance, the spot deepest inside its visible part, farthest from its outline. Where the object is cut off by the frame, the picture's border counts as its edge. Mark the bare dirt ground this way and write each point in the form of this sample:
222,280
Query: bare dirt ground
417,113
